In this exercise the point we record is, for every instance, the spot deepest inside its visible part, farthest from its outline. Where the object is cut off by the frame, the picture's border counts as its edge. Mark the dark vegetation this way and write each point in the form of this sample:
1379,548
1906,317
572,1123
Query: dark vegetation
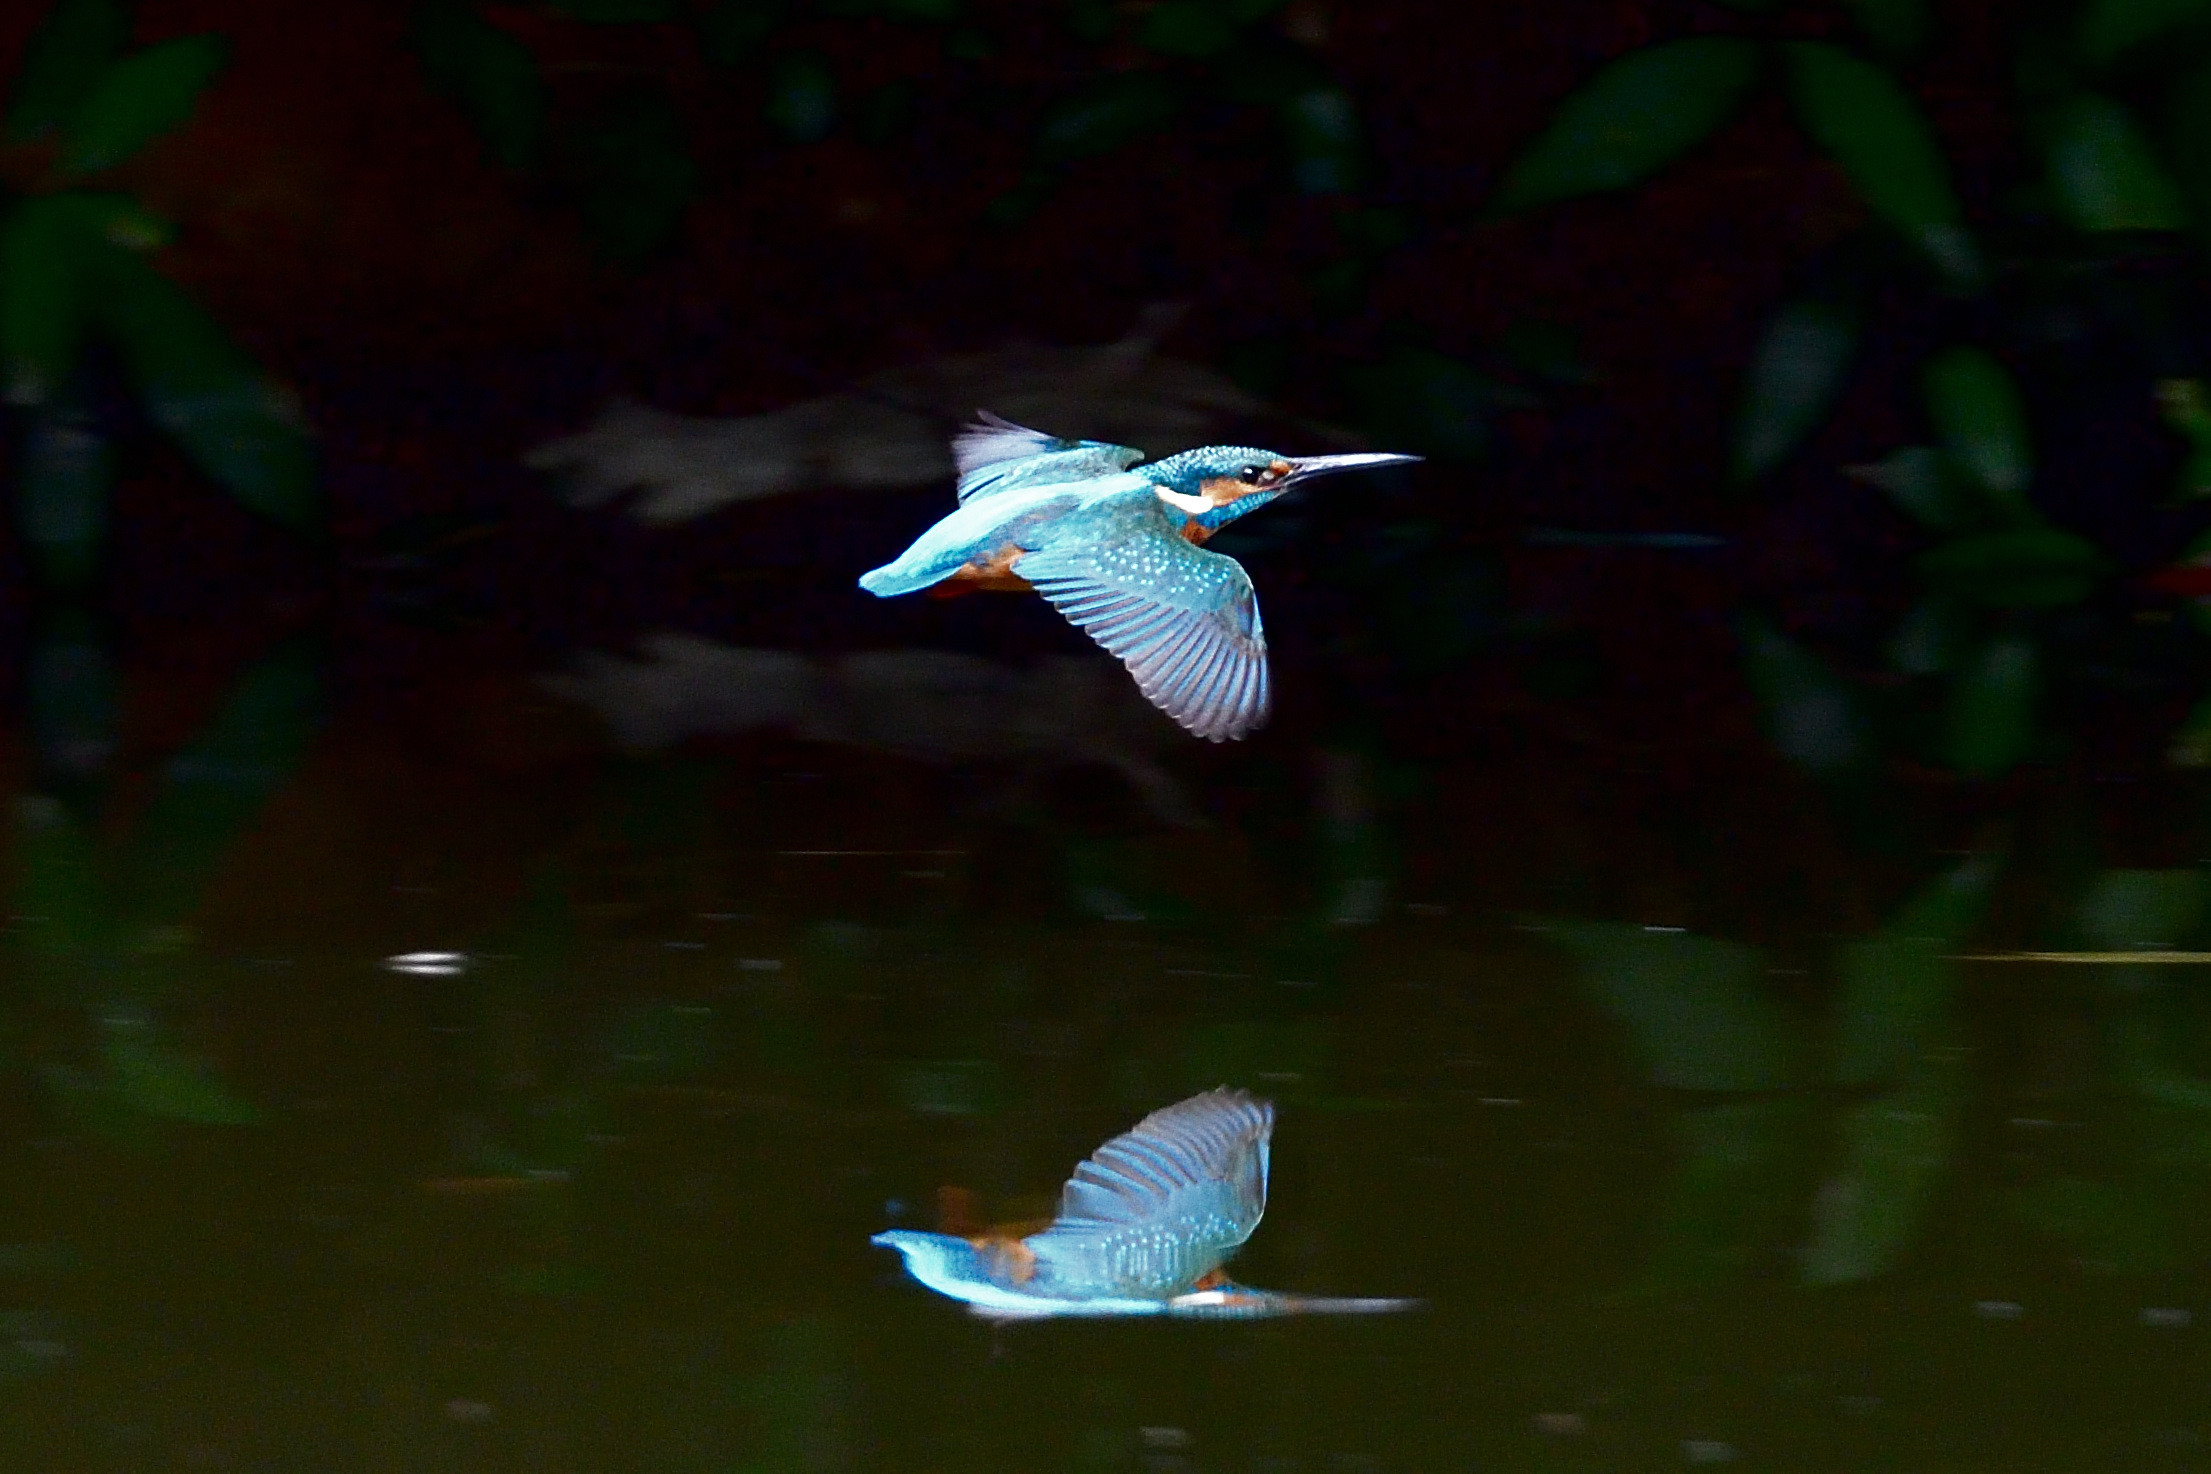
1806,590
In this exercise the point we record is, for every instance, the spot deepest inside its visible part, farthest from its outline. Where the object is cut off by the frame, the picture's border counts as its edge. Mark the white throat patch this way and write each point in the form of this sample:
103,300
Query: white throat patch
1183,501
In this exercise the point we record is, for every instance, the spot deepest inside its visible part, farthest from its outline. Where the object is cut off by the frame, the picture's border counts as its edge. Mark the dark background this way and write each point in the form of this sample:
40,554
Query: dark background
1629,904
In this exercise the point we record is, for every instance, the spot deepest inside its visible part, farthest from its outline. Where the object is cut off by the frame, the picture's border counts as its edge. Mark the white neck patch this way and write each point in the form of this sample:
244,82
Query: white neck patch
1183,501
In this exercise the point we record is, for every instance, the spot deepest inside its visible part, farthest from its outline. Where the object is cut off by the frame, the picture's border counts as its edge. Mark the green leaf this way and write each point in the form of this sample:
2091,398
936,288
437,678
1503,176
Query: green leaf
1918,480
1982,421
2105,172
1690,1005
2020,568
1636,115
489,73
1864,120
1811,715
2135,910
62,483
215,787
69,53
1322,126
1896,984
1990,721
1794,377
238,425
1895,1150
2111,28
802,97
140,98
1896,26
1106,114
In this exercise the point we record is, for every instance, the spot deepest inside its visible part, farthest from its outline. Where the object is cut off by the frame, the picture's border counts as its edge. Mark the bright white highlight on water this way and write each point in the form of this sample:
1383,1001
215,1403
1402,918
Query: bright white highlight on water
428,964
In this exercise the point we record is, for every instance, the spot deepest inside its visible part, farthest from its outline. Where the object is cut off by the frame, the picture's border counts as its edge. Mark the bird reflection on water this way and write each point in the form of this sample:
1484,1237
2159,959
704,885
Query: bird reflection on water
1143,1228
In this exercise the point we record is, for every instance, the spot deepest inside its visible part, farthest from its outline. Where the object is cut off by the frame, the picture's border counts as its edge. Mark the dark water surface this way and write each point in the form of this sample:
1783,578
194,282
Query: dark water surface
594,1190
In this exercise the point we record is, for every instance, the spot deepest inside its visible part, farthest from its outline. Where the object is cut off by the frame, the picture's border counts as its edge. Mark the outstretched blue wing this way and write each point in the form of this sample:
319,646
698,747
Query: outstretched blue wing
1156,1209
994,454
1184,621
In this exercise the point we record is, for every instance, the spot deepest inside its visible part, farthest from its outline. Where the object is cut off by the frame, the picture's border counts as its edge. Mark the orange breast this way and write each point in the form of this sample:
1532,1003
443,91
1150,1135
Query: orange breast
985,575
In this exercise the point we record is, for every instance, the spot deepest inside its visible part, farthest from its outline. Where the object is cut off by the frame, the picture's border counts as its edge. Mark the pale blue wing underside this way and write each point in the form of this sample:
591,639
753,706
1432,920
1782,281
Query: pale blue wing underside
994,454
1184,621
1155,1210
1211,1147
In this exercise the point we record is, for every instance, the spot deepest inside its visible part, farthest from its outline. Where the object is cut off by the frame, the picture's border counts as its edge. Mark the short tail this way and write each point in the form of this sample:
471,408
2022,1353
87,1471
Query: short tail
891,580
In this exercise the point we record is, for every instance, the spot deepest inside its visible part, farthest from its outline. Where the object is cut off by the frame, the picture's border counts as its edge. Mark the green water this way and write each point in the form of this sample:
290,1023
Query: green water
596,1193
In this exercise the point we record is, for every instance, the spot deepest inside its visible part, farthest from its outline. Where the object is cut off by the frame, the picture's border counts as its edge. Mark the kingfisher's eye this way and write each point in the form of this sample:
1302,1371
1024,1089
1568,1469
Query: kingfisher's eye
1251,474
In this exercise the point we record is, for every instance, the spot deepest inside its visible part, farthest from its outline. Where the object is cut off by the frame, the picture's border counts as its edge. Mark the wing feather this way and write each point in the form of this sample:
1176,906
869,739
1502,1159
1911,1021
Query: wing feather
994,455
1218,1140
993,438
1184,621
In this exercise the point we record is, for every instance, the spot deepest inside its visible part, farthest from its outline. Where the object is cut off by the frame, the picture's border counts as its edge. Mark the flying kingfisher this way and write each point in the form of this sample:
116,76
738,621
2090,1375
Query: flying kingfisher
1117,548
1143,1229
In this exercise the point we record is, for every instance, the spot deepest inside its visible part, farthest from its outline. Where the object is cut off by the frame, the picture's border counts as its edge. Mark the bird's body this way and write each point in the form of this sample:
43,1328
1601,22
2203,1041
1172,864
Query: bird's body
1116,548
1143,1228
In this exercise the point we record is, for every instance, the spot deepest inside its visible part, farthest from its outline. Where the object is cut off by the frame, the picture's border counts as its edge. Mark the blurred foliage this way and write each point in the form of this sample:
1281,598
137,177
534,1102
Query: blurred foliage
2097,194
1195,53
1637,115
1691,1007
76,289
1700,1020
103,930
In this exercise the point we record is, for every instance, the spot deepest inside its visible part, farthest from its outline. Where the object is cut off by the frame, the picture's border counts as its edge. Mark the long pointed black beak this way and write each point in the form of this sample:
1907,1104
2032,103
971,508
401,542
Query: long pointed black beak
1306,468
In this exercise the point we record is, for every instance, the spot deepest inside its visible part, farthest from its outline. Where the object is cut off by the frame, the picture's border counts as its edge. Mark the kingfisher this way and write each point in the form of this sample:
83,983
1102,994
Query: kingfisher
1118,548
1143,1228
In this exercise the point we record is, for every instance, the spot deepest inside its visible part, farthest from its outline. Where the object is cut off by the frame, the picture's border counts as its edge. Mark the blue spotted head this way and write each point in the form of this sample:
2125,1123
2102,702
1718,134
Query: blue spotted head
1215,484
